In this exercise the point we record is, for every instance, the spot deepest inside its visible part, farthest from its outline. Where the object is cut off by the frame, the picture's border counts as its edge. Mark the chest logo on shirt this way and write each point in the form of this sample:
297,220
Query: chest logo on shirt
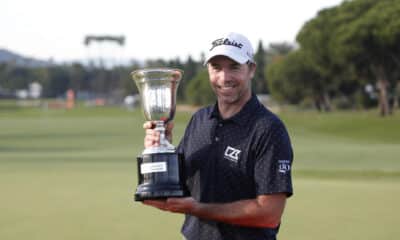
232,154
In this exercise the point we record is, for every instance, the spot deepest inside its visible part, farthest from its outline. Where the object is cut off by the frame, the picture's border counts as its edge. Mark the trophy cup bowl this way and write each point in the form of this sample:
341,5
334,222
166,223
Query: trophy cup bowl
160,168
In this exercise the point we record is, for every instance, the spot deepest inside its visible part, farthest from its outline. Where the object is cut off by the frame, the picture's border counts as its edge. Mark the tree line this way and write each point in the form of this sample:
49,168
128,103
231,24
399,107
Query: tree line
348,52
348,56
91,81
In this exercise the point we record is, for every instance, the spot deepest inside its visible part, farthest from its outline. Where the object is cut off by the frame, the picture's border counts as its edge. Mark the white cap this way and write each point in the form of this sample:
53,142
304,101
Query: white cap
233,45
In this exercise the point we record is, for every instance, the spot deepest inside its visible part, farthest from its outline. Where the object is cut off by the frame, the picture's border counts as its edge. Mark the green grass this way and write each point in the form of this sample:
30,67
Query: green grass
332,209
72,175
352,143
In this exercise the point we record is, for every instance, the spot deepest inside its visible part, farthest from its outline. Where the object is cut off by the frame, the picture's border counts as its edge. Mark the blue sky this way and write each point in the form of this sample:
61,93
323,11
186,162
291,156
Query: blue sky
55,29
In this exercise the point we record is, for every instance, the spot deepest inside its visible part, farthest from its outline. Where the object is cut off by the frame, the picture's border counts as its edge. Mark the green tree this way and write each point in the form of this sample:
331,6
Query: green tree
78,76
315,38
127,83
16,77
279,49
58,82
294,78
199,91
190,69
370,41
259,84
356,43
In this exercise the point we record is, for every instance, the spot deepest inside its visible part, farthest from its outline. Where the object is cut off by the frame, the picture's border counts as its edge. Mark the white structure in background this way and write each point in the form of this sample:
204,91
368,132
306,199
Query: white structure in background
131,101
22,93
370,90
105,51
35,90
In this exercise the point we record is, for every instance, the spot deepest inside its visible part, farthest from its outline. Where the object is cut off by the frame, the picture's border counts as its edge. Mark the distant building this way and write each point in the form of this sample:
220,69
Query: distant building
35,90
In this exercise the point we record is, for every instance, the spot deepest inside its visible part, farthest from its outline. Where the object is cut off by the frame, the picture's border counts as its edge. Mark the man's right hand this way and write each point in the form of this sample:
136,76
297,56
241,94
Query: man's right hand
152,138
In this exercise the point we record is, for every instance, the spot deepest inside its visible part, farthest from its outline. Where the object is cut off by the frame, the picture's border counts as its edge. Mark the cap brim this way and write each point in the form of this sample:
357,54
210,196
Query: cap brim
225,51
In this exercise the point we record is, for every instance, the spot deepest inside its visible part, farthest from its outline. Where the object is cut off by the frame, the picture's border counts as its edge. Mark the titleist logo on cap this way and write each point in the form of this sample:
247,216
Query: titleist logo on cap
225,41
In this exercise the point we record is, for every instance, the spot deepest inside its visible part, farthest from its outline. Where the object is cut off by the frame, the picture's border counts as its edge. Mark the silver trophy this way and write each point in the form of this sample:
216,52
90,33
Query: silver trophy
160,168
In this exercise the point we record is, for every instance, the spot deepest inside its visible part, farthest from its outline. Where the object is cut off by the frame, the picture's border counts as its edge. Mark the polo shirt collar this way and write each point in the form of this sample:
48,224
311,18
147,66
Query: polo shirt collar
243,116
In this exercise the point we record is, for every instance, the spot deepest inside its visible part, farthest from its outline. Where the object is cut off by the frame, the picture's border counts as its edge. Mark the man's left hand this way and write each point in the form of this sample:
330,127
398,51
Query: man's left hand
176,205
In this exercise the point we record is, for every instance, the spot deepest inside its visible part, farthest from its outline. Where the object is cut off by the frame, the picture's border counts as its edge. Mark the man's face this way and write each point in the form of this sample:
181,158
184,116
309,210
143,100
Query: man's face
230,80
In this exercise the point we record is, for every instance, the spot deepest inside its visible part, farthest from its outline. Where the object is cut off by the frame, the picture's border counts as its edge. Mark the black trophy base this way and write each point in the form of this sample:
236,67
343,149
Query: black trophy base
160,176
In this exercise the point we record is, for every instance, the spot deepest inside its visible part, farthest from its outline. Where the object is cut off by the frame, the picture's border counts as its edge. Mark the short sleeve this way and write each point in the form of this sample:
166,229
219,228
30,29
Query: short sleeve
273,166
181,146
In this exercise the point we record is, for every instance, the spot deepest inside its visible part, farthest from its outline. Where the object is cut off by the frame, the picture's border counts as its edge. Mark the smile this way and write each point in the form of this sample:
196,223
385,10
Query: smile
227,87
230,87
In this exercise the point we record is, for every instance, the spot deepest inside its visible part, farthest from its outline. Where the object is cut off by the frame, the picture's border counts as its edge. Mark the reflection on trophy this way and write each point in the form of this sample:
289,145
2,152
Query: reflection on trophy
160,169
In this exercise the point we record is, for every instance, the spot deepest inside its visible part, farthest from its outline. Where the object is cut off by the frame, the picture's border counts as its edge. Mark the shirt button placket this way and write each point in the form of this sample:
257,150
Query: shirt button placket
216,138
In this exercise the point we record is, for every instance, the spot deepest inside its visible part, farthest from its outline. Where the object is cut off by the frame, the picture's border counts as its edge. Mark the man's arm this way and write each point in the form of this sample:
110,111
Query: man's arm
264,211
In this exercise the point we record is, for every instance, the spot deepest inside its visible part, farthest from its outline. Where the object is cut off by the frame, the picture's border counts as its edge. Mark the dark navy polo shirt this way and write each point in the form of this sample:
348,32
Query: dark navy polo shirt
233,159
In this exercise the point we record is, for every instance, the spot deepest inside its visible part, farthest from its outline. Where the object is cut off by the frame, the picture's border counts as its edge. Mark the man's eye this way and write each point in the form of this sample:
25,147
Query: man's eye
216,68
236,67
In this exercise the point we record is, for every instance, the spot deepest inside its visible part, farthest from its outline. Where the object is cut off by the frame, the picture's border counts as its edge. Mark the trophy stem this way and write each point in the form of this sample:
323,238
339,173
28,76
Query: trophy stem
160,127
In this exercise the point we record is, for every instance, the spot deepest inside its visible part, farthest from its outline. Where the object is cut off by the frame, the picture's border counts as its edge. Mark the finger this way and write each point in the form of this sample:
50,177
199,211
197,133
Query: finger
148,125
152,132
156,203
151,143
173,200
152,135
169,126
151,140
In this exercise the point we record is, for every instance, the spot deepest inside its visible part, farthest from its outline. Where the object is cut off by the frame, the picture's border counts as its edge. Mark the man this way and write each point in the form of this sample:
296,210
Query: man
238,155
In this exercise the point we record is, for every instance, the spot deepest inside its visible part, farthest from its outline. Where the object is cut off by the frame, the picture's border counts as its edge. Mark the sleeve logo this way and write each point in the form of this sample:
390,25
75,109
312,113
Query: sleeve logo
284,166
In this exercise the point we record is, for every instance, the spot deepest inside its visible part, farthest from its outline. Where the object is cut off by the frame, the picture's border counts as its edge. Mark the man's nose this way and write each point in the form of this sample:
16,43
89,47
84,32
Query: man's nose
224,75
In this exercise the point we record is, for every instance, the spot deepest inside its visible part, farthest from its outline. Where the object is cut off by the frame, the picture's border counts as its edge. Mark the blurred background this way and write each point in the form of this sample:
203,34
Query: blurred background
70,117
